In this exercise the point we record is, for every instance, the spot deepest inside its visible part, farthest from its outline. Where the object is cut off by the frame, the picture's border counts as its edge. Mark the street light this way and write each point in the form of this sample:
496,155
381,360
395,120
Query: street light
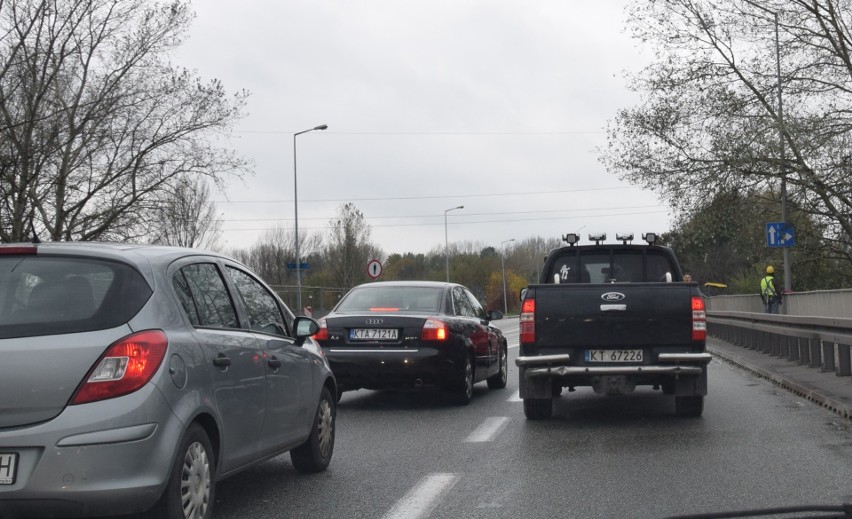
446,242
503,268
788,282
296,205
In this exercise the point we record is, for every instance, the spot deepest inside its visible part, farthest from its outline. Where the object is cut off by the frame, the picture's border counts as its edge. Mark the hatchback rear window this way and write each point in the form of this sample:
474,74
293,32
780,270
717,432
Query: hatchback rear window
53,295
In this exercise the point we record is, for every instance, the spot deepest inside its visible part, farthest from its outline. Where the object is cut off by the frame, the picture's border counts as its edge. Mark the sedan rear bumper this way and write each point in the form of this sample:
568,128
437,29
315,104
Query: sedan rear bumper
385,368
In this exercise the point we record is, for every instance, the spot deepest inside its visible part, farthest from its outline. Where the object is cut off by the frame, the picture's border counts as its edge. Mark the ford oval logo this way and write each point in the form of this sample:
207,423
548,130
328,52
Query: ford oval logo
374,321
613,296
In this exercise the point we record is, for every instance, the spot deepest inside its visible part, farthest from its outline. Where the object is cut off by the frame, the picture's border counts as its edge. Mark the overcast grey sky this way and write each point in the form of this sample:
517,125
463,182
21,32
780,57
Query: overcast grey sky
496,105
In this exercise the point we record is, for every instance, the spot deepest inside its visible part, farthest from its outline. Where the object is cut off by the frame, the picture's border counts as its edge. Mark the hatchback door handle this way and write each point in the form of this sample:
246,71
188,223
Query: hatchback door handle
222,361
274,363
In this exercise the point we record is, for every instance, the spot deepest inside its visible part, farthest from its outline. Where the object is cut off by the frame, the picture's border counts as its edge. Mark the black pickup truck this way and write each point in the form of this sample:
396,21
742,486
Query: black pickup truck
613,317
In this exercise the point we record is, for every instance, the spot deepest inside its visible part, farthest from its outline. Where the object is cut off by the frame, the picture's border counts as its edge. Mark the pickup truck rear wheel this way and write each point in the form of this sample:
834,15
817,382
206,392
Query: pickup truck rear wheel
538,408
689,406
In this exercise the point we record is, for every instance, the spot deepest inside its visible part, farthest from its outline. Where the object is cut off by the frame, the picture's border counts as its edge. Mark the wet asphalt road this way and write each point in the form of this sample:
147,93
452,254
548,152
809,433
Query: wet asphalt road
411,454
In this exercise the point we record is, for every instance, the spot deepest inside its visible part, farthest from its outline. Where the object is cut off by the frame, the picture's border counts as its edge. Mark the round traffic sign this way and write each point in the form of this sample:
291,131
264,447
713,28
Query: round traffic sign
374,268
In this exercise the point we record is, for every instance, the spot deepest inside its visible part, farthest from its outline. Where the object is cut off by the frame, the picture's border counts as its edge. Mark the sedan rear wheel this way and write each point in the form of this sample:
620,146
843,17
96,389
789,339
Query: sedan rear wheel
463,392
189,493
499,379
315,454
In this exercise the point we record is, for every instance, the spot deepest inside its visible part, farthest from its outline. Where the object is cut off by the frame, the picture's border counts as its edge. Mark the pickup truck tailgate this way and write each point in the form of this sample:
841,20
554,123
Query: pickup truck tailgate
612,315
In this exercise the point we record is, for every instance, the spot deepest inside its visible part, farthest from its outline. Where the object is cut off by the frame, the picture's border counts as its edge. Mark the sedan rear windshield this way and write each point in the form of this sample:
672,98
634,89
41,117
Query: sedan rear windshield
54,295
392,299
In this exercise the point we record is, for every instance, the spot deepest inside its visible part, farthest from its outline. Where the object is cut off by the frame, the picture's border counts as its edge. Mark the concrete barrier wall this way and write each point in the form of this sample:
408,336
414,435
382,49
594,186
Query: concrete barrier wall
819,303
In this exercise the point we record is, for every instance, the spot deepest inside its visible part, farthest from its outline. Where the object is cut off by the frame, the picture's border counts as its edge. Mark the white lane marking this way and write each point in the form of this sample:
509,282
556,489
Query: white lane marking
516,397
423,498
488,430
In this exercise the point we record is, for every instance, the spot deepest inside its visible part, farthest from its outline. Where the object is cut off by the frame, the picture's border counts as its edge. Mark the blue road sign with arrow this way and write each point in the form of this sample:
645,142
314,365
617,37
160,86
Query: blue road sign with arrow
780,234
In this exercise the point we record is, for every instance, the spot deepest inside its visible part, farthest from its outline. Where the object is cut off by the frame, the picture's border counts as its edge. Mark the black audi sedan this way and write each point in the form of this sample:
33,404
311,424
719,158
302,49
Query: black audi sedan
398,334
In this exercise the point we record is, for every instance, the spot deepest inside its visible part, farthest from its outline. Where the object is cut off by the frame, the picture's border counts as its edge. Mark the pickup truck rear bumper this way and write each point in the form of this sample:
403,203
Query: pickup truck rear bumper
690,369
550,362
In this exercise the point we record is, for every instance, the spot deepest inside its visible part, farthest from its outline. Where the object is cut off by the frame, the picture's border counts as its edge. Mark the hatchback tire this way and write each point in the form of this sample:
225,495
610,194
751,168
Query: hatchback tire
190,490
315,454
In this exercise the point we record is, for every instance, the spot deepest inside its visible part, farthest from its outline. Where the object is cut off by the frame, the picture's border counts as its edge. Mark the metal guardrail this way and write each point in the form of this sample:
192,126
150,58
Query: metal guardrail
819,342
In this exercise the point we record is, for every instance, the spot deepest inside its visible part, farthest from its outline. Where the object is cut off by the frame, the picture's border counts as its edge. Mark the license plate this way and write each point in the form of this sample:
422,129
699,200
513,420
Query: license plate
8,466
374,334
614,356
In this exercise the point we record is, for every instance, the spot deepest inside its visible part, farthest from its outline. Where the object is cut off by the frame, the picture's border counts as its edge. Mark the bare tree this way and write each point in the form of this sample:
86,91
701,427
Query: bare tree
349,247
185,215
94,120
709,118
271,254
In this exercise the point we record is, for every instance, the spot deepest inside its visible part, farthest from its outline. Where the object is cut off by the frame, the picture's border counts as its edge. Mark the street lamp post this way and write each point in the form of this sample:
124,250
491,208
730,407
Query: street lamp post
296,205
788,281
446,241
503,268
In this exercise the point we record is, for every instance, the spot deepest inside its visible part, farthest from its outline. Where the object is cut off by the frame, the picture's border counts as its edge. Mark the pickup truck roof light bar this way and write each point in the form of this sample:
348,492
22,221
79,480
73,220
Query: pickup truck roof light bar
598,238
571,238
624,237
651,237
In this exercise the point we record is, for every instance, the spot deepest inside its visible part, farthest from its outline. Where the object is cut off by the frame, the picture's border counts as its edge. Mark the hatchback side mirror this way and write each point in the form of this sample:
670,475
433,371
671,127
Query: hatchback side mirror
495,315
304,327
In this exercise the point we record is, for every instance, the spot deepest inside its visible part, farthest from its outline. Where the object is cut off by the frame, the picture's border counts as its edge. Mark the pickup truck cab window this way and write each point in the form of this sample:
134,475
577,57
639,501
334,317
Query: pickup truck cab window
574,265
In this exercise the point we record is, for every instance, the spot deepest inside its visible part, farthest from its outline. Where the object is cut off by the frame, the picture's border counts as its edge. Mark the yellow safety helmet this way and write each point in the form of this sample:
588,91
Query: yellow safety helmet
770,269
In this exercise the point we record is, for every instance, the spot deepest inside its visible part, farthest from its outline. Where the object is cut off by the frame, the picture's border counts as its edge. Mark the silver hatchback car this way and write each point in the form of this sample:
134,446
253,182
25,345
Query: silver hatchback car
133,377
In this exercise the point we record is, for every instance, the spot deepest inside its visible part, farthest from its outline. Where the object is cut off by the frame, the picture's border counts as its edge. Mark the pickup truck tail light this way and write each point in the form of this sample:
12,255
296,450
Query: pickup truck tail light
699,319
527,321
434,330
126,366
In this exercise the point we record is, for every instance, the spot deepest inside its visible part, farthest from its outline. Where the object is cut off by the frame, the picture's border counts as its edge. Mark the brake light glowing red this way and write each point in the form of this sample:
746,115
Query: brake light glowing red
384,309
699,319
434,330
19,250
126,366
527,321
322,334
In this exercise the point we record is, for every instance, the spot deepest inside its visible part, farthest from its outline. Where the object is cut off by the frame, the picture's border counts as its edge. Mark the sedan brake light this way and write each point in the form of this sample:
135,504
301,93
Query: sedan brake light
20,250
126,366
434,330
322,334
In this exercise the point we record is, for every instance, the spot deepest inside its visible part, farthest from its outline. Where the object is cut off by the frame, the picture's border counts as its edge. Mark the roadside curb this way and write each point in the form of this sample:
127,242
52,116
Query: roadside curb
812,394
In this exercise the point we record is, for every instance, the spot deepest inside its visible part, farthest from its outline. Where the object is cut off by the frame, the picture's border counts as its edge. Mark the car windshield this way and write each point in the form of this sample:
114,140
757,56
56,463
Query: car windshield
392,299
47,296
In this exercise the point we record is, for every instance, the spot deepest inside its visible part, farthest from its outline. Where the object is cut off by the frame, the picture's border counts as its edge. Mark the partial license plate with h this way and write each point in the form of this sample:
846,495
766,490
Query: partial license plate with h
8,467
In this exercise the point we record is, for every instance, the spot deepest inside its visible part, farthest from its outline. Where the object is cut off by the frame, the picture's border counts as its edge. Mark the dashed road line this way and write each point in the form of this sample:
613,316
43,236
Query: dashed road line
423,498
516,397
488,430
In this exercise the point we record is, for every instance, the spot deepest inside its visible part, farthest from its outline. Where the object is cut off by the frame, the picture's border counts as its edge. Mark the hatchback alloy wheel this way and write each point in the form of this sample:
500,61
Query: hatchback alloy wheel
195,482
325,428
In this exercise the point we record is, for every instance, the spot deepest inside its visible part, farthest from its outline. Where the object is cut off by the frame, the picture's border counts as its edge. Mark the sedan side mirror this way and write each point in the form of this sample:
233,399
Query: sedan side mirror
304,327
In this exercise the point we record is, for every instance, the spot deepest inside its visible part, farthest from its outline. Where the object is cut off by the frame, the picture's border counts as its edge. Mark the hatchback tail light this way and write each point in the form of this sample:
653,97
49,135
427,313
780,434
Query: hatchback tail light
126,366
527,321
434,330
699,319
322,334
